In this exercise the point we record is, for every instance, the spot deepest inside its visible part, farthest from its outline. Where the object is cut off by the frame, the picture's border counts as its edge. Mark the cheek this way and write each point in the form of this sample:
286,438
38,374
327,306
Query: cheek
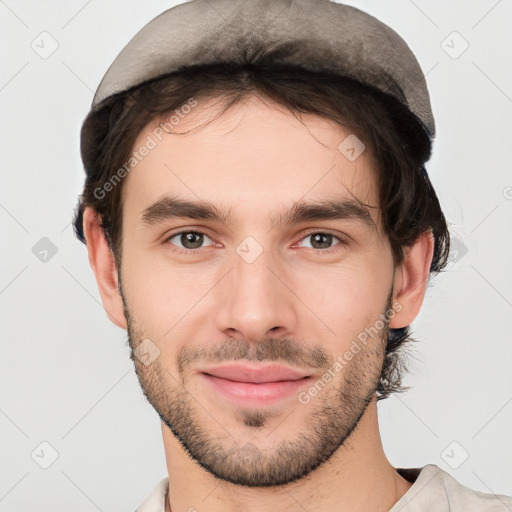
348,298
159,295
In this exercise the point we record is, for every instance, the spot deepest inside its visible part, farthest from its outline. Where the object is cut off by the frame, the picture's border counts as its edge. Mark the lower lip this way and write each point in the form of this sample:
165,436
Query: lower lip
256,394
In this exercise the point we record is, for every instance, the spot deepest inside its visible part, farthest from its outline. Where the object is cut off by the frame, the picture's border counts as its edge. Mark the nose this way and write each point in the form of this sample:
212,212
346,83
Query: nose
257,299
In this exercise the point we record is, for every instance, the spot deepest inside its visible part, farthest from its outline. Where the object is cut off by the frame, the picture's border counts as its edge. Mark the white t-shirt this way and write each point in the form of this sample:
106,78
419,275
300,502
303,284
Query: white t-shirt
433,490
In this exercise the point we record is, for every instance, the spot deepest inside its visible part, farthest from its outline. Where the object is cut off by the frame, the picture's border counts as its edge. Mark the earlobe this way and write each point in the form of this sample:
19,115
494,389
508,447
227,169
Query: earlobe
411,280
103,265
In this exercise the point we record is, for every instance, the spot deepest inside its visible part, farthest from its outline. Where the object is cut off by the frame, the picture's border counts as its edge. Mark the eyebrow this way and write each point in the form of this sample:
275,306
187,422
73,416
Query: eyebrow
170,207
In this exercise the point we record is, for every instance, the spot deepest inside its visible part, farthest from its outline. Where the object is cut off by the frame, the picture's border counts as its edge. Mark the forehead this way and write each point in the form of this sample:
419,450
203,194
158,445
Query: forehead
256,159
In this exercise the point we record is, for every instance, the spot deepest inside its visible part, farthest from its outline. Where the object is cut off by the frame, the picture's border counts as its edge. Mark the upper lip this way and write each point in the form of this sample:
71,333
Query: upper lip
255,374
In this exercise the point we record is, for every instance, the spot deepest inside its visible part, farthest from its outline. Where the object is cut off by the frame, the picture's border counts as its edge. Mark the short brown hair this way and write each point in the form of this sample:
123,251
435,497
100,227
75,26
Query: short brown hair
396,141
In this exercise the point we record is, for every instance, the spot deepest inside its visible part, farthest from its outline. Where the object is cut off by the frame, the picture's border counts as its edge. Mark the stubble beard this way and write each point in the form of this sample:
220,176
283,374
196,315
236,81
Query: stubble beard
230,456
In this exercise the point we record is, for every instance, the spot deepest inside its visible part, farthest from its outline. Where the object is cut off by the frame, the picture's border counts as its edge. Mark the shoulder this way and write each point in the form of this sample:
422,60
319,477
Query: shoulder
155,500
464,498
434,487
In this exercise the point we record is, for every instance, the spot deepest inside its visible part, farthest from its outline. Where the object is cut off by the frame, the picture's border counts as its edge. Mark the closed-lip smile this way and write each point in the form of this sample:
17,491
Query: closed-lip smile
256,374
254,384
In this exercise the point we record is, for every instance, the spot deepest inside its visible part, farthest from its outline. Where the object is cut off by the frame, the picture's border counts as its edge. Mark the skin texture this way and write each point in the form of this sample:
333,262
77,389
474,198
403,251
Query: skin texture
290,305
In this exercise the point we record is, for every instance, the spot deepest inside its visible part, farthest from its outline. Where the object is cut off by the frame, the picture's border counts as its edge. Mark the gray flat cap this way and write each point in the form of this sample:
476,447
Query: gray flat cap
325,36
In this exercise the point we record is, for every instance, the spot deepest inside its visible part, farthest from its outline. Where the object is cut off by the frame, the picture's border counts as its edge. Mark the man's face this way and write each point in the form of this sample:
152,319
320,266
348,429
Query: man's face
254,291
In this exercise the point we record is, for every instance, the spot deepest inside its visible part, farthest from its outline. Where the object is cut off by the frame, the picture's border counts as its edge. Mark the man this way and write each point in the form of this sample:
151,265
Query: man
258,217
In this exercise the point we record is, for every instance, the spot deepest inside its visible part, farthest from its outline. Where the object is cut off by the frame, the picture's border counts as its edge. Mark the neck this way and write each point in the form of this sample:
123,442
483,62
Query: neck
358,477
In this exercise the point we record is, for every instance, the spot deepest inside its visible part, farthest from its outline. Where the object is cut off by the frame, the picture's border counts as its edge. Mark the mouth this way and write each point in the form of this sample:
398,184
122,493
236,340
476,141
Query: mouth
255,385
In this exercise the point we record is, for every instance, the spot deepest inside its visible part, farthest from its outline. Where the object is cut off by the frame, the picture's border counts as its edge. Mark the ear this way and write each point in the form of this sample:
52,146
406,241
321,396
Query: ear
411,280
104,267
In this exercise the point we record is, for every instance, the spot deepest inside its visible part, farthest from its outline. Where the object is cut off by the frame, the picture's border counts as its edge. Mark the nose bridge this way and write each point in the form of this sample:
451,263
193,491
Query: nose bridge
256,298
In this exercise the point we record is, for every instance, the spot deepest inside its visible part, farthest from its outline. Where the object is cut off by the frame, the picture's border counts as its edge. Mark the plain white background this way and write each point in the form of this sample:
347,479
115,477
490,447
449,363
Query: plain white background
65,374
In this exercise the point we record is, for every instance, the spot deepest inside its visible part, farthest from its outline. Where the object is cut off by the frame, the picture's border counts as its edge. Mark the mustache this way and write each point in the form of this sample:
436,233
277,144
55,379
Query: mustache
270,349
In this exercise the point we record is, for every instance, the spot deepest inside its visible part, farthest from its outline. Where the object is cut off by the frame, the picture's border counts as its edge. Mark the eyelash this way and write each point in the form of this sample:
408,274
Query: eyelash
198,232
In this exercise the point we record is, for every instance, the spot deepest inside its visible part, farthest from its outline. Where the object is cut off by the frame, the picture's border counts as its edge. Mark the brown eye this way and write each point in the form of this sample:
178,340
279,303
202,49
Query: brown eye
322,242
189,240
